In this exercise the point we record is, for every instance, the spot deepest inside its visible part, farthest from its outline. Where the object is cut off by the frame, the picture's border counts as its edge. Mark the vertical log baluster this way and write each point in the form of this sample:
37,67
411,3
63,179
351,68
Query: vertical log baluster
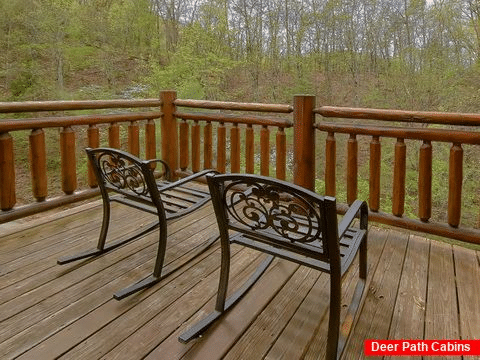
184,130
134,138
114,136
150,140
169,127
38,164
265,151
196,147
330,165
93,138
281,147
249,150
375,166
7,172
221,154
425,182
235,149
352,169
399,171
455,181
207,145
68,160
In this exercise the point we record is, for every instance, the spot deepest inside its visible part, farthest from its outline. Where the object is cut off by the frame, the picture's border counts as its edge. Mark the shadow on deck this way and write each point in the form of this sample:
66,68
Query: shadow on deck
417,289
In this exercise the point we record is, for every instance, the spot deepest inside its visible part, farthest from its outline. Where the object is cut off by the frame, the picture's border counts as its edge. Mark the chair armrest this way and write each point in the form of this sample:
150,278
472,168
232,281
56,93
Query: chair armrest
357,206
168,173
188,178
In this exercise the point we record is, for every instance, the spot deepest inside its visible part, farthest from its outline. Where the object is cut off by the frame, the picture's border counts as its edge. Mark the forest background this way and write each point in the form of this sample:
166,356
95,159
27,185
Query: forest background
404,54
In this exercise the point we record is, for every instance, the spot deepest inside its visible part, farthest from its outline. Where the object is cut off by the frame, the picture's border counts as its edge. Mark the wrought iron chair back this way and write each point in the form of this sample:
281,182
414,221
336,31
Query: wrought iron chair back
290,222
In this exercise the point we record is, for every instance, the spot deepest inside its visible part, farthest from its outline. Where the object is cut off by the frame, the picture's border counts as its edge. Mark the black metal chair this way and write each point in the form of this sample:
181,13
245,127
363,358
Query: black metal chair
290,222
126,179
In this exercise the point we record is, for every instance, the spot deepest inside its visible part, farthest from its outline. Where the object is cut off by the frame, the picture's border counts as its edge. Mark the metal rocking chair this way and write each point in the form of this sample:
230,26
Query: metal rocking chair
126,179
290,222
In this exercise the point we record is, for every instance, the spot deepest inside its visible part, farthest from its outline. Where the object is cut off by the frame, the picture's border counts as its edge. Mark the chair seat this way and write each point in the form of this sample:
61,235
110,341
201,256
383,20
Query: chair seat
349,245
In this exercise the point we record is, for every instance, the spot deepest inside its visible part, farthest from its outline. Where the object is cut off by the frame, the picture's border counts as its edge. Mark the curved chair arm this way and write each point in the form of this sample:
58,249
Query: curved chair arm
187,179
357,206
168,172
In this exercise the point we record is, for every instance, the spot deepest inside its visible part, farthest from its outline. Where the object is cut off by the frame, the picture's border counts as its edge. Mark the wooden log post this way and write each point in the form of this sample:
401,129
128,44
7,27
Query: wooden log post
330,165
68,160
207,145
221,148
375,166
352,169
184,158
38,164
169,129
249,150
235,149
195,147
425,182
93,138
304,141
399,173
281,153
114,136
7,172
455,181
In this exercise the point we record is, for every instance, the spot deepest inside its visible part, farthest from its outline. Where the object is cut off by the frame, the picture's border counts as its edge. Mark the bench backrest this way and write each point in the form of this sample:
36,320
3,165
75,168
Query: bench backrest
123,173
275,212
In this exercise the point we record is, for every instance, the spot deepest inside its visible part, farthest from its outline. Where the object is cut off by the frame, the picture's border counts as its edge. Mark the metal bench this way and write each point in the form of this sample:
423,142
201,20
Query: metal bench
285,220
126,179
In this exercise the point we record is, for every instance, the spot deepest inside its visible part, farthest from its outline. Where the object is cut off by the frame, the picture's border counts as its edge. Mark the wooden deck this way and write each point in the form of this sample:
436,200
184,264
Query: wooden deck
417,289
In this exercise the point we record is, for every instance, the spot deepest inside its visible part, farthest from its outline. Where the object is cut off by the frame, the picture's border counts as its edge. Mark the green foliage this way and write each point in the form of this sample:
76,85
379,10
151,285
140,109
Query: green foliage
198,68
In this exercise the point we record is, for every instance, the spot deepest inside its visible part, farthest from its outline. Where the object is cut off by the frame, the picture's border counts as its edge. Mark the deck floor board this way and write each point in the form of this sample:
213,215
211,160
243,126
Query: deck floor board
417,288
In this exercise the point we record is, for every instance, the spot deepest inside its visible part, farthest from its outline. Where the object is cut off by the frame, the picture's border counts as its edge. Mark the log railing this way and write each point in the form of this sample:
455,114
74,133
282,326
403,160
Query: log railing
66,126
194,136
174,146
426,137
238,116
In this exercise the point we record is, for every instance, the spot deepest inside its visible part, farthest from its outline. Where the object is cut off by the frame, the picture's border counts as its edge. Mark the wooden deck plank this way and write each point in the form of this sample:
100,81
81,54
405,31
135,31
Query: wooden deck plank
64,277
166,322
35,232
375,318
65,309
376,242
226,332
220,337
409,312
102,309
68,311
266,328
441,317
467,274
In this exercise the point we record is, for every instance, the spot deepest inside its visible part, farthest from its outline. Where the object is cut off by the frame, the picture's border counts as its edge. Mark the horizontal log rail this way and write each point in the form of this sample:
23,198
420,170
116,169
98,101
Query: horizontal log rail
235,119
440,135
36,106
7,125
423,117
427,136
235,106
